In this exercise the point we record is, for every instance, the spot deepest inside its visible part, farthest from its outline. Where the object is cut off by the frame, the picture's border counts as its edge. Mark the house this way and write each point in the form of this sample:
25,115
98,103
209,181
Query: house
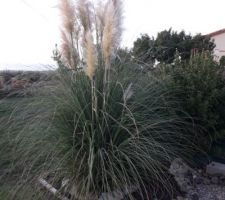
219,40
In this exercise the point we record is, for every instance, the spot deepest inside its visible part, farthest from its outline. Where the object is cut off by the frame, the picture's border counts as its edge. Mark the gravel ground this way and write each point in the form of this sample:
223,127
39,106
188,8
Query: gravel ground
211,192
197,185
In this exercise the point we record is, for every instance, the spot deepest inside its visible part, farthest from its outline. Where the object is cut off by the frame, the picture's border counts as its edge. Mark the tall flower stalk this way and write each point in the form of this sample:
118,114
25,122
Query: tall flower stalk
81,23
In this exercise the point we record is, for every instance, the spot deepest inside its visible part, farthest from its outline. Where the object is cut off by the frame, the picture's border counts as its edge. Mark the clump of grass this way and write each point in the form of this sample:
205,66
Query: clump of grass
105,127
120,126
127,140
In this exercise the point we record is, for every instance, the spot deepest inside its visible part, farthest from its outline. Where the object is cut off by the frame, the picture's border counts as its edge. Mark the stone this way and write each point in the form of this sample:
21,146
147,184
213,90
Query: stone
117,194
215,180
65,182
73,192
222,180
198,180
215,197
178,167
215,168
199,186
182,174
206,181
180,198
194,196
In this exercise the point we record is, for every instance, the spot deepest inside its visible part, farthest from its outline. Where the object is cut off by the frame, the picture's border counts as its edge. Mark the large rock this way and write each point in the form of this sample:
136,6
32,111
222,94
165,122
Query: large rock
215,168
182,174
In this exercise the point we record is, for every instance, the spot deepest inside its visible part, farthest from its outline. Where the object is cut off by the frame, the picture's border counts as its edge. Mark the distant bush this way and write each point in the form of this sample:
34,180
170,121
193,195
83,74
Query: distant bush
22,83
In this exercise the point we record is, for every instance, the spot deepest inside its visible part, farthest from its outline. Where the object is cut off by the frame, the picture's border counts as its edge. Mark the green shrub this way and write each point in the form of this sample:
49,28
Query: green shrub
222,61
202,91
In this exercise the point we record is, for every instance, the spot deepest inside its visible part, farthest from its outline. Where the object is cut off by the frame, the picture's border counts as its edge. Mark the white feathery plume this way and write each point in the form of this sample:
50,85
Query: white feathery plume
112,28
69,32
89,48
85,14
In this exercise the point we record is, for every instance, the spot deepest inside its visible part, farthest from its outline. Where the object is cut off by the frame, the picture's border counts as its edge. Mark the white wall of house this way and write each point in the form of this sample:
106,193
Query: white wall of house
219,50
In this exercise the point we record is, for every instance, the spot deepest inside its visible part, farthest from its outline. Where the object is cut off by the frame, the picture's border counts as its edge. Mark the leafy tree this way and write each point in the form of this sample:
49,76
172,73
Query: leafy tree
164,46
143,51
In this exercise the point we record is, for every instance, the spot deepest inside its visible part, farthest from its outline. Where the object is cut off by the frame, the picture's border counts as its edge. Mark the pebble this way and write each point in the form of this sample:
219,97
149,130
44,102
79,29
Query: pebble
206,181
198,180
198,186
194,196
215,180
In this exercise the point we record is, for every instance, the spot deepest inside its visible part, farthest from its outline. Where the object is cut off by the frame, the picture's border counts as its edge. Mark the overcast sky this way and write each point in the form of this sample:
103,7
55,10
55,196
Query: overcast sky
29,28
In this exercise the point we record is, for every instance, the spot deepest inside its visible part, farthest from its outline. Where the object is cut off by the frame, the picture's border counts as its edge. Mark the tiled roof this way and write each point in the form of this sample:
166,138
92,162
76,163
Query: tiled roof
216,32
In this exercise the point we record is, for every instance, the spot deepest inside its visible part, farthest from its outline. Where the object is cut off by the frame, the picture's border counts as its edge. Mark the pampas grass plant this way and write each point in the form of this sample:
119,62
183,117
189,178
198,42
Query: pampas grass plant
105,127
120,125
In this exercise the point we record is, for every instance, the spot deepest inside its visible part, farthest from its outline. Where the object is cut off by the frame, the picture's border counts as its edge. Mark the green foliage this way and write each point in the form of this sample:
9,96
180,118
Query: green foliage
222,61
105,125
164,46
126,140
123,56
202,91
143,51
28,149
